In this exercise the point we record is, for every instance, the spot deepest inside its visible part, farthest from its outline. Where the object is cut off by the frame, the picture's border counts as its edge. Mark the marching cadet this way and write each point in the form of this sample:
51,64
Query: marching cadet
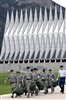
51,78
28,78
62,75
19,79
44,77
13,80
36,75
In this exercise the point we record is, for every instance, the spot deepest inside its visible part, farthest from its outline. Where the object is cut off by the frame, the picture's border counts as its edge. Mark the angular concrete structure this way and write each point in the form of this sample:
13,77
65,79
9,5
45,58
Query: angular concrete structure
34,39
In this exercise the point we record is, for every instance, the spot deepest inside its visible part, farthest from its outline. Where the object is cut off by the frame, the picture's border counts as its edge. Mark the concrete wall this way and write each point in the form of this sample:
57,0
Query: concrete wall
22,66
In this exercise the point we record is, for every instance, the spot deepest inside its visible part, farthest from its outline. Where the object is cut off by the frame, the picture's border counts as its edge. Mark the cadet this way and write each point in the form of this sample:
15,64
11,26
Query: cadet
19,79
36,75
44,76
62,75
13,80
51,78
28,77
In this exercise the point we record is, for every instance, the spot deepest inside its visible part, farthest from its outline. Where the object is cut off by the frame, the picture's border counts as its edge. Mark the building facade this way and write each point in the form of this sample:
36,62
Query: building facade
39,39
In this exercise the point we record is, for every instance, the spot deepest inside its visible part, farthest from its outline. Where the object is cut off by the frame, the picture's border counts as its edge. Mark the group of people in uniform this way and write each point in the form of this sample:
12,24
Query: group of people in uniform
32,75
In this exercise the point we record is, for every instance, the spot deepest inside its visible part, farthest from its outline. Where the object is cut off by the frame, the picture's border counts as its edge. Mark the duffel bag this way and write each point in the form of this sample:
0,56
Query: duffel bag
32,86
18,90
40,84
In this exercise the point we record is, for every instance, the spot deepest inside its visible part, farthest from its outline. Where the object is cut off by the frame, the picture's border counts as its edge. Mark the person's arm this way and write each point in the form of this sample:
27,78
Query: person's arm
39,76
65,73
22,79
17,80
7,79
58,74
54,77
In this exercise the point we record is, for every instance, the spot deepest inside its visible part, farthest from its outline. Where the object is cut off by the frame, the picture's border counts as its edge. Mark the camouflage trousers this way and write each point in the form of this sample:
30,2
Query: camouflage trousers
28,82
13,85
46,86
51,86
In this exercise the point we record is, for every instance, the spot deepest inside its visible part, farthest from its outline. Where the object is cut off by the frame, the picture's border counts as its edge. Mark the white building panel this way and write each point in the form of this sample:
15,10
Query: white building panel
31,43
47,46
6,37
37,45
22,46
12,47
50,33
42,45
17,46
60,19
7,22
11,36
58,46
63,45
52,46
40,29
3,51
26,43
7,44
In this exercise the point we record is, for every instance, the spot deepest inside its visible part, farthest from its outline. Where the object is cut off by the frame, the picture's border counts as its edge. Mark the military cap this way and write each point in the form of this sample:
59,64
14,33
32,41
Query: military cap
35,69
32,69
61,66
17,71
50,70
43,70
11,70
27,67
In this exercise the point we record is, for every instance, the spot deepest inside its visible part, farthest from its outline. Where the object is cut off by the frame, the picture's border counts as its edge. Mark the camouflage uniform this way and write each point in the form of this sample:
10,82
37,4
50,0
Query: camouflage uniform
28,78
44,76
13,80
19,79
36,75
51,78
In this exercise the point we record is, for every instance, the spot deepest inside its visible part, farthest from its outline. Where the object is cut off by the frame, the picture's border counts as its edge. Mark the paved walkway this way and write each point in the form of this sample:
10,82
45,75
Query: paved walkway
50,96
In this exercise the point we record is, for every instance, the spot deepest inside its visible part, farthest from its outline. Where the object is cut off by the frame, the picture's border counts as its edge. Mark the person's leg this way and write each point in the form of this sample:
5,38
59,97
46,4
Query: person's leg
63,84
28,88
46,87
36,91
60,84
52,88
32,93
13,86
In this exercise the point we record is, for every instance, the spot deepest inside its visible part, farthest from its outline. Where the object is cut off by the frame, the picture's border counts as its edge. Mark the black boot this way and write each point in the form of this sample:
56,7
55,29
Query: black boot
31,93
12,96
36,92
28,96
25,93
52,91
46,91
